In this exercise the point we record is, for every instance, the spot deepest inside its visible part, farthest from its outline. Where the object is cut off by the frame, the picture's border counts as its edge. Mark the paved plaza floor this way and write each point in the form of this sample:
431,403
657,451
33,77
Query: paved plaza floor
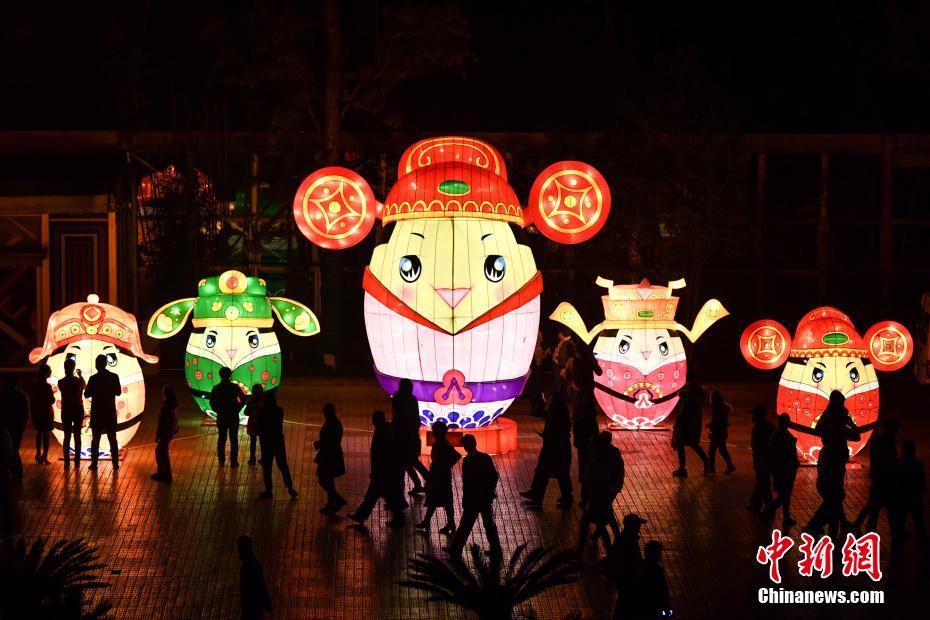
170,549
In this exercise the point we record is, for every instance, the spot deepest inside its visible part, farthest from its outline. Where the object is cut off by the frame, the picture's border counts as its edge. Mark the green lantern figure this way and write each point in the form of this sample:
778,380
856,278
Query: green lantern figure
233,327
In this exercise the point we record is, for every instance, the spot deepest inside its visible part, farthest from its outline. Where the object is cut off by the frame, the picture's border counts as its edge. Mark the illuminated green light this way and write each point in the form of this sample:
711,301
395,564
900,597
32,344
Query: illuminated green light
835,338
454,188
645,314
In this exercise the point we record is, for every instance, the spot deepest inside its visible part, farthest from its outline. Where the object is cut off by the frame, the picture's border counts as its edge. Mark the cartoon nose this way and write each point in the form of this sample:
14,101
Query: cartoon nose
452,296
231,353
645,354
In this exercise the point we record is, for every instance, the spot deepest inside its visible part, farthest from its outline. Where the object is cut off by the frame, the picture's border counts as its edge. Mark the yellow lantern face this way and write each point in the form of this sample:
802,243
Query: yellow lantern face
452,270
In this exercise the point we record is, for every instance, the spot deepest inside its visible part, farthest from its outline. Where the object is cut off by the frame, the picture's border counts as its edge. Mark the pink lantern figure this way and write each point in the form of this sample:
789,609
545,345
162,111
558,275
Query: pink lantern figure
639,349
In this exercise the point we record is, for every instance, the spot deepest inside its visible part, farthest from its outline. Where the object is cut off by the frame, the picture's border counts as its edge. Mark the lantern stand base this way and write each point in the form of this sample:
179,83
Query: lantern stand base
499,437
613,426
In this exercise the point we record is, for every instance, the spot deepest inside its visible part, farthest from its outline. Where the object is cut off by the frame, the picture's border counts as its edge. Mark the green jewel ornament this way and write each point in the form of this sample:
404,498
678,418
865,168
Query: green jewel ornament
233,326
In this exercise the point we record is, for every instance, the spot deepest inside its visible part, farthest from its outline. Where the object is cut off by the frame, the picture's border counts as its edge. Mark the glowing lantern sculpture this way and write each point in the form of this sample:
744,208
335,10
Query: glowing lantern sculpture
233,320
82,331
639,349
452,298
827,354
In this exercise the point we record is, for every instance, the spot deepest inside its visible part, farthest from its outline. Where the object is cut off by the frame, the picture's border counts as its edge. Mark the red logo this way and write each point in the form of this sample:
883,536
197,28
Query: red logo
453,390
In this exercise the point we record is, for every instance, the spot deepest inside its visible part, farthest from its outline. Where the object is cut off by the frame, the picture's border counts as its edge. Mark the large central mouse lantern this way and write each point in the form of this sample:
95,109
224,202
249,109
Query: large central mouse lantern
233,320
452,298
81,332
827,354
639,349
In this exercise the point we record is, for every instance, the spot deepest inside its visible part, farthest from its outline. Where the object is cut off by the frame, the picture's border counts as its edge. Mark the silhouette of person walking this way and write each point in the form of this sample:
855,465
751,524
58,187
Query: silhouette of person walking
562,354
555,457
912,483
836,428
43,418
443,458
253,406
783,464
760,440
719,427
479,488
405,421
15,415
623,563
883,472
387,475
271,435
651,594
686,433
330,463
103,388
71,389
167,428
584,411
227,400
254,599
603,479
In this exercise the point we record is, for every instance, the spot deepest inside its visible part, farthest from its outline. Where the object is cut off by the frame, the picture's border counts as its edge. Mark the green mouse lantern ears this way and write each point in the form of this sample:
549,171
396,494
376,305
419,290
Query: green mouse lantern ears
233,299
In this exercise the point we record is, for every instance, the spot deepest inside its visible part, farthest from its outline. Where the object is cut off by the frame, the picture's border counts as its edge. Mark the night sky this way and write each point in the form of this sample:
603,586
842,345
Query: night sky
774,66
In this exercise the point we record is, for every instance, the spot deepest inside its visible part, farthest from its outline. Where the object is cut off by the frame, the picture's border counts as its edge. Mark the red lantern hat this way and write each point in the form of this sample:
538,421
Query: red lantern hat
92,319
827,332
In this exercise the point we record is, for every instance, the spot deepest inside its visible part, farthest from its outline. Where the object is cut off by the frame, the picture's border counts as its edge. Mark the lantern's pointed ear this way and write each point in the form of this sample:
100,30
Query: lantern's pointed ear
890,346
765,344
711,312
294,316
170,318
566,314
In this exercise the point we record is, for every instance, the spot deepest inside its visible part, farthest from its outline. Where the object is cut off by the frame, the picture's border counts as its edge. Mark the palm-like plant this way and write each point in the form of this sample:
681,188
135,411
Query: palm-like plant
37,583
486,588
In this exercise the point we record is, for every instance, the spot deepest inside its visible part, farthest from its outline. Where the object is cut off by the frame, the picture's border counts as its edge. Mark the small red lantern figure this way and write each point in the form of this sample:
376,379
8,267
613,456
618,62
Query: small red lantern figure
827,354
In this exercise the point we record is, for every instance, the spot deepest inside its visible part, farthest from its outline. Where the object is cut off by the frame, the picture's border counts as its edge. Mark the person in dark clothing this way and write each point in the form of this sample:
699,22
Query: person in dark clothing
102,389
783,465
603,480
71,389
479,488
43,418
562,354
443,458
405,420
760,440
330,463
686,433
271,435
387,475
623,562
535,385
555,457
883,473
253,591
167,428
227,400
836,429
912,483
584,409
719,427
253,406
15,415
651,594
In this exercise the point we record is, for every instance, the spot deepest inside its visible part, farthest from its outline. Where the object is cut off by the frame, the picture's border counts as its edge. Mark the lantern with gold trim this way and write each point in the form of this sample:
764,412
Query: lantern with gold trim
233,326
827,354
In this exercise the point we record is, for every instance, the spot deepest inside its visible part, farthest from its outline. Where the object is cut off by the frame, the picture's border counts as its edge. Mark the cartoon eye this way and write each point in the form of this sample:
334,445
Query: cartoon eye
624,345
410,268
111,359
817,375
210,340
663,348
253,341
854,375
494,268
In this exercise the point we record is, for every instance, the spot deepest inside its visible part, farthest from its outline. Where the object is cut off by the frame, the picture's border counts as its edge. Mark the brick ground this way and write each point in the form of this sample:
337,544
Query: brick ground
172,548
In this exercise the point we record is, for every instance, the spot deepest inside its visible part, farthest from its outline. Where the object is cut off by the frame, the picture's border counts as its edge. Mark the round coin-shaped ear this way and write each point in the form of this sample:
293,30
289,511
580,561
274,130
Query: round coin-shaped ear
765,344
569,202
335,208
890,345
